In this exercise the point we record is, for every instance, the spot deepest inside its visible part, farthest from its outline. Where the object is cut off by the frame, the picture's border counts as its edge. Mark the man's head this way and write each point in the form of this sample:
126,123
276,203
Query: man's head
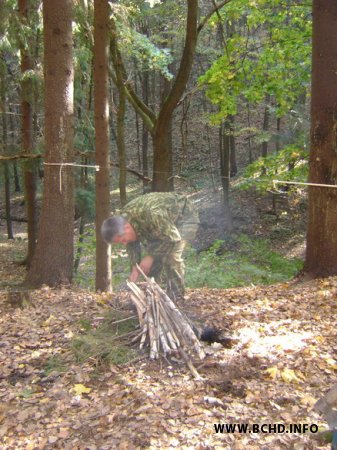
118,230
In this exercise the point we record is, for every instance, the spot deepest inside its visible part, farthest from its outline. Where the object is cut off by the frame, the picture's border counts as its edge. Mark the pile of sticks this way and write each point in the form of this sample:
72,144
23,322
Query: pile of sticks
163,327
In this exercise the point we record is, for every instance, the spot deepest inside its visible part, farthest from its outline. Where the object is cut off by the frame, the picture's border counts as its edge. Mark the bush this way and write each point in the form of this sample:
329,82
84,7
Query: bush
238,261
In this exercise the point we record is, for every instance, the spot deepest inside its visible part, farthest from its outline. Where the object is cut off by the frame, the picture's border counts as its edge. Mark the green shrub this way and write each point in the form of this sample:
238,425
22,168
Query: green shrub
239,261
106,344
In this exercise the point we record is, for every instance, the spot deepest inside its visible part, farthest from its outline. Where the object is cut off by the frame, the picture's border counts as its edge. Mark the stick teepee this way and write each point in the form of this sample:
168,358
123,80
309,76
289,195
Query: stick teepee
163,327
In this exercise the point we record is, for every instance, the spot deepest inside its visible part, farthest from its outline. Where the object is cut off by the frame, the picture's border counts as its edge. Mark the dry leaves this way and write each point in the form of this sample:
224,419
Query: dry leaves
284,360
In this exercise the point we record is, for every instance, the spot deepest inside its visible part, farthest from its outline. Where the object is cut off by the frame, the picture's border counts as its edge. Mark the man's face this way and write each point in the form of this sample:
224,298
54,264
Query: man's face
129,235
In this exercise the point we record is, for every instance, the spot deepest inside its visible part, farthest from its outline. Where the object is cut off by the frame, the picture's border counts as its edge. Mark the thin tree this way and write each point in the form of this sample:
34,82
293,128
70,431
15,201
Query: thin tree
101,100
321,254
52,262
27,133
5,147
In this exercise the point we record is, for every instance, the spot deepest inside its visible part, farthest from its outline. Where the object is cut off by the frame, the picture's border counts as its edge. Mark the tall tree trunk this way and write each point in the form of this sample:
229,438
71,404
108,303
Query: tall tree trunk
101,100
145,131
225,171
121,145
120,128
16,177
233,164
265,126
278,135
162,154
250,153
5,164
321,254
52,262
9,224
27,135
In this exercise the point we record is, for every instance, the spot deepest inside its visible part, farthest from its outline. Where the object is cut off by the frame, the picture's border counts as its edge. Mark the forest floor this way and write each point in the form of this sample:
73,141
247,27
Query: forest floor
282,360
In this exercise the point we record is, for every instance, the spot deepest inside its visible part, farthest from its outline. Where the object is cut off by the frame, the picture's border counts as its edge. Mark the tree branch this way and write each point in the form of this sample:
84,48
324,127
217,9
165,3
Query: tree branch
210,14
147,114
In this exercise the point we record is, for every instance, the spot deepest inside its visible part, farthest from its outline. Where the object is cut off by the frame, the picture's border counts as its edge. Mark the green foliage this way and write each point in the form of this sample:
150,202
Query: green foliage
240,261
105,344
54,364
148,55
85,275
270,57
85,203
291,163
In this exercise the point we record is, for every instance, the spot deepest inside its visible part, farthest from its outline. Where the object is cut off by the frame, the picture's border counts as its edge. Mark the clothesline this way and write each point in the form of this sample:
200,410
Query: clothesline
305,184
97,168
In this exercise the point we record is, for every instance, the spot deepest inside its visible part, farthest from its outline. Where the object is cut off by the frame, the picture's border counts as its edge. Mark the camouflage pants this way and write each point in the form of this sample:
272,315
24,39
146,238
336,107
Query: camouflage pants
170,269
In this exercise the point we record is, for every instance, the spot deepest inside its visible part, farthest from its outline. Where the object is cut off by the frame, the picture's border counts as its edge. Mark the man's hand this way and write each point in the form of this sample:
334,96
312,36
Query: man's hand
145,264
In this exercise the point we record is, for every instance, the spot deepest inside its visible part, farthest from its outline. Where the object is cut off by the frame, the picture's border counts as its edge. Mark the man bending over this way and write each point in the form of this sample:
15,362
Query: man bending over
161,222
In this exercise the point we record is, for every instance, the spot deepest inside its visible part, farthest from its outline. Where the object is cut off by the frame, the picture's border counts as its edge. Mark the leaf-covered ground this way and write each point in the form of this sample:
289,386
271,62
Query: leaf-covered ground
283,360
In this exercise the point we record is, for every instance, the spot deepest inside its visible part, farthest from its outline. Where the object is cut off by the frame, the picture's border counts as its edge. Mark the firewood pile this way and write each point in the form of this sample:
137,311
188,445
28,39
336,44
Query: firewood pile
163,327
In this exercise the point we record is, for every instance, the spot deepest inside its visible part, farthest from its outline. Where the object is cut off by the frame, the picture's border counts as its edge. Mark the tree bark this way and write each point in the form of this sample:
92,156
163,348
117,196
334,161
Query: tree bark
52,262
162,156
101,101
321,255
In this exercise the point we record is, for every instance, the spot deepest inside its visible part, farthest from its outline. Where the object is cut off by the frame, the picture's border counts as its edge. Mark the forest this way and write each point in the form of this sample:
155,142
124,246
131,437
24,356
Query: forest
229,103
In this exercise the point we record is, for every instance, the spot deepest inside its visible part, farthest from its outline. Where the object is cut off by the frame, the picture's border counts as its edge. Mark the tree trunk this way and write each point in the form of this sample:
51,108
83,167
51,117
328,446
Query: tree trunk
265,127
121,145
101,100
120,128
250,153
10,234
52,262
321,255
162,154
278,135
5,164
16,177
81,229
27,135
145,132
225,171
233,164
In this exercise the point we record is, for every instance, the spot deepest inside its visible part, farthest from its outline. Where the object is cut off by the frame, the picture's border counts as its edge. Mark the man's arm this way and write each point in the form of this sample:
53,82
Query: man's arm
145,264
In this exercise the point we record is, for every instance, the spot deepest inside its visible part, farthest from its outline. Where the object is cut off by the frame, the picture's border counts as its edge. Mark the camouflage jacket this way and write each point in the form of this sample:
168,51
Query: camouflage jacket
155,218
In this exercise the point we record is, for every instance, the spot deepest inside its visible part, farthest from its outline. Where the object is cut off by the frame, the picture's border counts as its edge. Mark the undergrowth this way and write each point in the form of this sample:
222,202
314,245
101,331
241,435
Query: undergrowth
107,343
238,261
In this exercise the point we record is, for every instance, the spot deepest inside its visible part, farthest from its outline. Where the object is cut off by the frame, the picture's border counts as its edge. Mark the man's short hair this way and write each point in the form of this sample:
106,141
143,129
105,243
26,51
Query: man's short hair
113,226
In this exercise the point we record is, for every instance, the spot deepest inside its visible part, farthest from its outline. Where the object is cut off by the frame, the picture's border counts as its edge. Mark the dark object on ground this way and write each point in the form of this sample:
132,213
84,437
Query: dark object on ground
213,334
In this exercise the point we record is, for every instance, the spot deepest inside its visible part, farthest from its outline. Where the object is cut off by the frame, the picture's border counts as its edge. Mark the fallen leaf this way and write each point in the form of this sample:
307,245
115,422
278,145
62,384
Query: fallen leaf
289,376
80,389
272,372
